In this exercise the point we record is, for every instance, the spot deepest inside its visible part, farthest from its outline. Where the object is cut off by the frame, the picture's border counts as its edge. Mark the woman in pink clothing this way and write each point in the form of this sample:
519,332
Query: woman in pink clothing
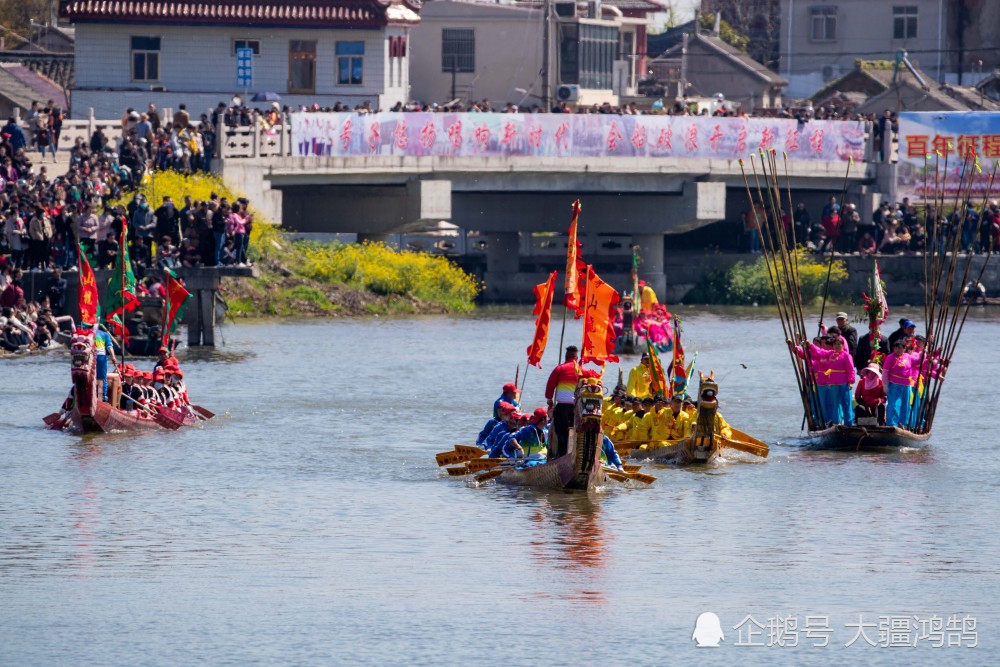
899,374
236,227
833,370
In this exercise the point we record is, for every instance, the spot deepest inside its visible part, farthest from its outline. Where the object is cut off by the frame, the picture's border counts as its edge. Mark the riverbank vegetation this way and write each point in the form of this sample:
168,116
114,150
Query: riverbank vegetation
745,284
309,278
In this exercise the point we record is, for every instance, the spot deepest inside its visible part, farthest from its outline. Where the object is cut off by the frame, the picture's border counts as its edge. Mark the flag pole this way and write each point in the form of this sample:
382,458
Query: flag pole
121,292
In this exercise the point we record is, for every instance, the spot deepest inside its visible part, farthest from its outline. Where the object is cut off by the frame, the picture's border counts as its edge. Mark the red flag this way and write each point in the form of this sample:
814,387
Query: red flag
574,287
543,310
598,333
89,305
176,296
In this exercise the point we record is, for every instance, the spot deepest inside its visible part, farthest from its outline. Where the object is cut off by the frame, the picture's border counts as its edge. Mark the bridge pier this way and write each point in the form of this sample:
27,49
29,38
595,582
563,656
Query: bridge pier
651,264
503,262
202,283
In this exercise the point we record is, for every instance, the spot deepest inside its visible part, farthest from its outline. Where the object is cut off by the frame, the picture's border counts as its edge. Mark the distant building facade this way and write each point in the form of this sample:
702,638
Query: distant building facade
477,49
820,39
129,54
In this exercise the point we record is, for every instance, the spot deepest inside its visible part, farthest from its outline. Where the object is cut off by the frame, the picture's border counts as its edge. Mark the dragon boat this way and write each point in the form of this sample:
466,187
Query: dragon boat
85,412
580,467
865,438
704,444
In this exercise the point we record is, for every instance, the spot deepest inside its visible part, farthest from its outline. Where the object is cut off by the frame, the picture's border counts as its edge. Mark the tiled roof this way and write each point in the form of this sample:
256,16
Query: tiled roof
21,85
277,13
734,55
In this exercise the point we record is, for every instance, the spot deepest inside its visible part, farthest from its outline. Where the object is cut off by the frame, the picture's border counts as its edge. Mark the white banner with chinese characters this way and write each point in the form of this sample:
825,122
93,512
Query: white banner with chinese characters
570,135
939,150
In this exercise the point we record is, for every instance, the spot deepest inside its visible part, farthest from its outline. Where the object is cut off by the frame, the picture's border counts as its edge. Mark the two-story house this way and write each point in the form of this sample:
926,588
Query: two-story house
821,39
170,52
530,51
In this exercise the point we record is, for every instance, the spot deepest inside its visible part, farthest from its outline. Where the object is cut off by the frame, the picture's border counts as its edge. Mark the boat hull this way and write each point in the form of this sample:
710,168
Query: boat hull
104,418
560,473
865,438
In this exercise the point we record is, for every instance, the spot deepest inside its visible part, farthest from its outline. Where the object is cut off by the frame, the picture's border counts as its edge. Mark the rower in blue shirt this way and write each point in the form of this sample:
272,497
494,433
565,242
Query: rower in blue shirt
519,443
497,426
509,395
611,454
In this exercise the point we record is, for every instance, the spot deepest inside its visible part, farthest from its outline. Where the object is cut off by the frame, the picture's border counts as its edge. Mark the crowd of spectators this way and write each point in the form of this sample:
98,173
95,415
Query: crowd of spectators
892,230
46,218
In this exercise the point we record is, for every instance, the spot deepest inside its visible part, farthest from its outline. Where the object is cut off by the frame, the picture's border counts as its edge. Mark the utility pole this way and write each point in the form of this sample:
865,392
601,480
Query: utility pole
546,79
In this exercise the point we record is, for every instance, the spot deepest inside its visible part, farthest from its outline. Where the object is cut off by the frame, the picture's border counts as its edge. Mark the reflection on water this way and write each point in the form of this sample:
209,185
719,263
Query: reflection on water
309,524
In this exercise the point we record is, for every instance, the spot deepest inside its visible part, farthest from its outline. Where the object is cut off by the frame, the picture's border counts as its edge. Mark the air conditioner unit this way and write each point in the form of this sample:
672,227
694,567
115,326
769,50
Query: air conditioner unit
568,93
157,88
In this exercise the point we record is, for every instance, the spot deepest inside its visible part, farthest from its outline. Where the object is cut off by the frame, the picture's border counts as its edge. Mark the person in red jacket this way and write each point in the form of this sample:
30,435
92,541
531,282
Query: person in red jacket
560,393
870,394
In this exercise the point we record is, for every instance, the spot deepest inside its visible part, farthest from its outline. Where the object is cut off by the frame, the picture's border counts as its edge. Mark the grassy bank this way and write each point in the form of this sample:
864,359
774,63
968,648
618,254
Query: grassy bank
327,279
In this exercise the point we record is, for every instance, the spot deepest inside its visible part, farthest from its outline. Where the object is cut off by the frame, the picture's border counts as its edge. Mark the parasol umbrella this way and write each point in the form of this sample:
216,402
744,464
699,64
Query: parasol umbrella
265,97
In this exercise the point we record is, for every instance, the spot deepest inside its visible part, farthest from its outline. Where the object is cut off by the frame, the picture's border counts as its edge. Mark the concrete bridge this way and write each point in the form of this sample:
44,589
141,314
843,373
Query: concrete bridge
639,200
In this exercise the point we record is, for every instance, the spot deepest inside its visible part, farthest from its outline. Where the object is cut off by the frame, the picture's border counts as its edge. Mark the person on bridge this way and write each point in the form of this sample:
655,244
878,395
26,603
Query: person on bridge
560,393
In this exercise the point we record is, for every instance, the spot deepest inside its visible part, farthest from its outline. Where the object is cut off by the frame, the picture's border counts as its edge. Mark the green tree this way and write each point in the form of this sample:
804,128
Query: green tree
16,16
727,33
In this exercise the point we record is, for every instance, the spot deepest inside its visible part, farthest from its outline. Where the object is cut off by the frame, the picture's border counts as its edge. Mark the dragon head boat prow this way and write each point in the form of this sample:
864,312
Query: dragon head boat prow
587,432
703,441
83,371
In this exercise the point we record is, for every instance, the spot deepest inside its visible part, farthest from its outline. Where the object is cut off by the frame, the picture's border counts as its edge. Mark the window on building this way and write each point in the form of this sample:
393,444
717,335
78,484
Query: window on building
350,63
824,24
145,58
598,46
569,53
252,44
458,50
301,66
904,22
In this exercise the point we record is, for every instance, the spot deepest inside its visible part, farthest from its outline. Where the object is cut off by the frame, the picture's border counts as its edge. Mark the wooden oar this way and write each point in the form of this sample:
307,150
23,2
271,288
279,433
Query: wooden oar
760,450
458,472
456,456
637,476
470,450
478,465
165,419
52,419
490,474
747,443
631,467
204,412
617,476
651,444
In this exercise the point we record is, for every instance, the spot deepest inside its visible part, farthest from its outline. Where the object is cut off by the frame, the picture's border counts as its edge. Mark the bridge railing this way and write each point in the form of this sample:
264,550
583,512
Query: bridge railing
255,141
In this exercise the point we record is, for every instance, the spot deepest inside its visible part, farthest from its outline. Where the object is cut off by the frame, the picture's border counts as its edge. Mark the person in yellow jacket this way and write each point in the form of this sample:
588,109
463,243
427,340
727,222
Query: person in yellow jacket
614,414
638,378
630,427
647,297
671,423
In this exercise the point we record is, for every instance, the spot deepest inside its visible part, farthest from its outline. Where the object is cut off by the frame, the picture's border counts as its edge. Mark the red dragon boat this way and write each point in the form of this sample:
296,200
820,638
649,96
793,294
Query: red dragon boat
85,412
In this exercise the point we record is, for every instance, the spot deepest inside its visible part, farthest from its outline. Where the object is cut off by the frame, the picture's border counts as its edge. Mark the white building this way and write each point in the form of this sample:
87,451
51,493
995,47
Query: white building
820,39
171,52
482,49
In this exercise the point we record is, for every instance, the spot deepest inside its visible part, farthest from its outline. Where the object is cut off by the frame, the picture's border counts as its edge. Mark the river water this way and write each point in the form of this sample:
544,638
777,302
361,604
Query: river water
309,524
